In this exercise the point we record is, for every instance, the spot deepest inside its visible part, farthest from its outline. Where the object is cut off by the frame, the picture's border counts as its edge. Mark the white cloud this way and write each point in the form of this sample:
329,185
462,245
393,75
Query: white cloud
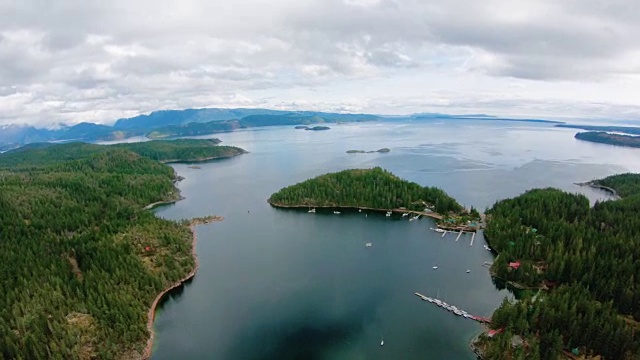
74,60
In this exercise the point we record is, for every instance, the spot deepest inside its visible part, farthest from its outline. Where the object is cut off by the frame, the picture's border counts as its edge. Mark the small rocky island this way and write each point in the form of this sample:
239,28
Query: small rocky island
383,150
313,128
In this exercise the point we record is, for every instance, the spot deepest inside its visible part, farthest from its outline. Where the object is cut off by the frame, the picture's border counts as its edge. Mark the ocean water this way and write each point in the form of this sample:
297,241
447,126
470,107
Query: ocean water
286,284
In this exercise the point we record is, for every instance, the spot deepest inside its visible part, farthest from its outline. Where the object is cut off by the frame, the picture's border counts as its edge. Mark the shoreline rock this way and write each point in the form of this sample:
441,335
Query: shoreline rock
151,315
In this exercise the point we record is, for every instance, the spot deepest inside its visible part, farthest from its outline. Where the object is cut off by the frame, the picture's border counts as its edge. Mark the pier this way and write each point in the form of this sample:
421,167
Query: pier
459,234
473,236
453,309
444,233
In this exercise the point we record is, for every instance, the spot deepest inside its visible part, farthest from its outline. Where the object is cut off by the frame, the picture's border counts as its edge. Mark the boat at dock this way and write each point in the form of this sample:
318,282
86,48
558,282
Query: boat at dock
405,214
337,212
388,213
312,210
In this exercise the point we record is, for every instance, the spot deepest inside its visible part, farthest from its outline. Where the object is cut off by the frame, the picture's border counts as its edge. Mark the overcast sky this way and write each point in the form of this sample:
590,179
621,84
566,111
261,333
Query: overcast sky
84,60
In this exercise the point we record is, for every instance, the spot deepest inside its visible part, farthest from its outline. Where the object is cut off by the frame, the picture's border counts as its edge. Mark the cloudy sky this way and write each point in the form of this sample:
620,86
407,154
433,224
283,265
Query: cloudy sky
84,60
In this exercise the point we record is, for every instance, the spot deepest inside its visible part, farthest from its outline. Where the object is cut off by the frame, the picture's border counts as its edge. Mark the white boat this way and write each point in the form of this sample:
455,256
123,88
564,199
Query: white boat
388,213
487,248
405,214
382,342
359,210
438,230
468,271
367,244
457,312
435,267
337,212
312,210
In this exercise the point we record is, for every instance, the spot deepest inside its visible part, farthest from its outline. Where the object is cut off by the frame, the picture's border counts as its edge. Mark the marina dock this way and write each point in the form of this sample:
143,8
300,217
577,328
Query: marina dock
444,233
473,236
459,234
453,309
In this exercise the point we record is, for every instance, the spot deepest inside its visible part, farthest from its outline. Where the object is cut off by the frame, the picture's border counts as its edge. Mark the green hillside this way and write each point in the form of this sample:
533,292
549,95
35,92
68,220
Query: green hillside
373,188
81,262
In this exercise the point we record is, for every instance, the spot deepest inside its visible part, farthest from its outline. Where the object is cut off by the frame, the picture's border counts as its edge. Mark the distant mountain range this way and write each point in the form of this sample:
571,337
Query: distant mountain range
172,123
192,122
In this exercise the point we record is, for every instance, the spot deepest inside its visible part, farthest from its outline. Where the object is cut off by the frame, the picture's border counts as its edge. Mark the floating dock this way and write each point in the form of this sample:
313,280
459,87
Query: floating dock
453,309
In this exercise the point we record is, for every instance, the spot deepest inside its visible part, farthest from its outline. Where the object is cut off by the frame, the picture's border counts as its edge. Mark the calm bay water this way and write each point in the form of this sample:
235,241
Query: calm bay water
283,284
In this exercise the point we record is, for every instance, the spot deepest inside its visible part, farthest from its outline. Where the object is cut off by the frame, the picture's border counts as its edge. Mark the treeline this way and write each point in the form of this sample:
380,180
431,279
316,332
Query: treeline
558,240
81,262
43,154
608,138
374,188
624,184
561,320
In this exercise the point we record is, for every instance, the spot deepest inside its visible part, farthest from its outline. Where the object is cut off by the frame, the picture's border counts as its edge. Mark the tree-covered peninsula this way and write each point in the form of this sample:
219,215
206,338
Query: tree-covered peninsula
585,260
364,188
81,261
182,150
610,139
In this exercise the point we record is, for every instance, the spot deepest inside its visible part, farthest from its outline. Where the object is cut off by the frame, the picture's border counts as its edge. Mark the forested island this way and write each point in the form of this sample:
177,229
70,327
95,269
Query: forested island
606,128
383,150
608,138
585,261
364,188
82,262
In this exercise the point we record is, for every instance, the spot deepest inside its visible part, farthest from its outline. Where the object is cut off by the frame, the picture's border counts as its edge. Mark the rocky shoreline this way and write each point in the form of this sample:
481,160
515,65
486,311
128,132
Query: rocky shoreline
427,214
151,315
593,185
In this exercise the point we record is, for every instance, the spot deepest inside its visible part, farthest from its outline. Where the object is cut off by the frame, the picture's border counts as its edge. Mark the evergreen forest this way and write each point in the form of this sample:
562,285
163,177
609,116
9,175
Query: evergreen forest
608,138
80,261
368,188
182,150
585,261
